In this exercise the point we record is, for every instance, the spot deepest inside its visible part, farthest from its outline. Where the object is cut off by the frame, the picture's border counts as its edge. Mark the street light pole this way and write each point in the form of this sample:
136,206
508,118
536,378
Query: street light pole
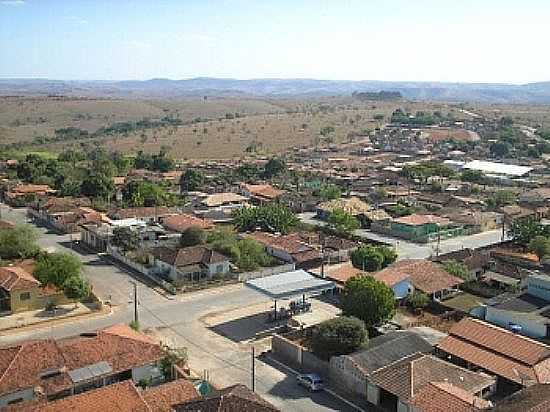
253,369
136,319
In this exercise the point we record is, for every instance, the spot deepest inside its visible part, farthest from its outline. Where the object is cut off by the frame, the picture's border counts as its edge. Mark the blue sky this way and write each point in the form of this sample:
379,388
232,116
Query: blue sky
427,40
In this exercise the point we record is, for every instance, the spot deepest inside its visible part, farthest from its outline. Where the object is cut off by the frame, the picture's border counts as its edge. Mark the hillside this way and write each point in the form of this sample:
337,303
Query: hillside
533,93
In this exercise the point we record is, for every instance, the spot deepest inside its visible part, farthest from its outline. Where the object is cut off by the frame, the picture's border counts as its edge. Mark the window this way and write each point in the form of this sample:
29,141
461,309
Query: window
25,296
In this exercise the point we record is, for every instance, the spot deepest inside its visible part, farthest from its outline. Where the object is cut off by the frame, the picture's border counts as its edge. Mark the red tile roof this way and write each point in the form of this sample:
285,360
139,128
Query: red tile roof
341,273
264,191
418,220
425,276
179,223
515,357
119,397
290,244
236,398
17,278
445,397
22,365
162,398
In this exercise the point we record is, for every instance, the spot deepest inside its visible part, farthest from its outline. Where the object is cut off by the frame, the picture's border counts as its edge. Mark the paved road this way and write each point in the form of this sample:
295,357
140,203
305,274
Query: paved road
179,323
410,250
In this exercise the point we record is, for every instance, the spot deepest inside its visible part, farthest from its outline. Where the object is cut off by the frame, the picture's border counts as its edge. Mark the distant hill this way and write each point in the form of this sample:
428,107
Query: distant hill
173,89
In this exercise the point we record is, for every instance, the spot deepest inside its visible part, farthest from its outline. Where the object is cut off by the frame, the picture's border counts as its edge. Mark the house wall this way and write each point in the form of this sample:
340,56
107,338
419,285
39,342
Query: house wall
539,287
532,325
402,406
344,373
150,371
24,395
218,268
403,289
373,394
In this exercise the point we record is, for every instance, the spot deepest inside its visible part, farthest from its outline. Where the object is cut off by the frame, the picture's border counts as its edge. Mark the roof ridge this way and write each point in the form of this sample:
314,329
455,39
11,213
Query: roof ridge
397,361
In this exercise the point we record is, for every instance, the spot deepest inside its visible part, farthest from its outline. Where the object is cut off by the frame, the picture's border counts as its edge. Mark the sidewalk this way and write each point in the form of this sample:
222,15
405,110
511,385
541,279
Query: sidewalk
35,317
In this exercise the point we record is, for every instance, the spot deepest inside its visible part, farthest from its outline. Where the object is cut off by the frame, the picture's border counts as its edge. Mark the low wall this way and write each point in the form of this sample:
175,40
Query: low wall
298,357
275,270
144,270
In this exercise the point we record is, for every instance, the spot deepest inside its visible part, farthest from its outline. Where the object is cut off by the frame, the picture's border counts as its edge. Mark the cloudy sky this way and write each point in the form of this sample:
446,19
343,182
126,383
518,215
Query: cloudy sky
422,40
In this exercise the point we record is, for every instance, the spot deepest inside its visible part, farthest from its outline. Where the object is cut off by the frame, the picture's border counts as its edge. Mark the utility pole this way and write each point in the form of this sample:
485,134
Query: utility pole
253,369
136,319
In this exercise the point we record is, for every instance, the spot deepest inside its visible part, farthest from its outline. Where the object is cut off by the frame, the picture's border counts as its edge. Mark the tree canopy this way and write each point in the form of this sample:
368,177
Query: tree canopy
373,258
522,231
192,236
369,300
540,246
18,242
125,238
272,217
191,180
342,223
56,268
338,336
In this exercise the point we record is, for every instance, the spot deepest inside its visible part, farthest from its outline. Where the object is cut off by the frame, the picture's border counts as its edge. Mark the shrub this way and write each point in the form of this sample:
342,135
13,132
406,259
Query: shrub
338,336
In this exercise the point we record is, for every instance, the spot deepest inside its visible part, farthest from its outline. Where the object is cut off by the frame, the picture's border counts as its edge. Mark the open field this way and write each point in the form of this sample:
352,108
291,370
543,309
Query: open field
211,129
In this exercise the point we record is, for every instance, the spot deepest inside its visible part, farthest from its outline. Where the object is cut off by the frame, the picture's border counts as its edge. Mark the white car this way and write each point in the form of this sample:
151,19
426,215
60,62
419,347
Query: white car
311,381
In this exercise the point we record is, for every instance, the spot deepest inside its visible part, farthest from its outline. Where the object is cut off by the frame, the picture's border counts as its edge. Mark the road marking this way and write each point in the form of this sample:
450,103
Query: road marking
329,391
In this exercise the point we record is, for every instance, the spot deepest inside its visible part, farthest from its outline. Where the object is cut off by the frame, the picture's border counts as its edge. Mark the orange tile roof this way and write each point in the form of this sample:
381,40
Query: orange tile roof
21,365
425,276
264,191
287,243
515,357
444,397
181,222
16,278
417,220
119,397
341,273
161,398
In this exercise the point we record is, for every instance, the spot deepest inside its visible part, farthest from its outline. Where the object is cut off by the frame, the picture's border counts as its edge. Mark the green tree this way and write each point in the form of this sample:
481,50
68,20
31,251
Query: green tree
522,231
18,243
330,192
502,198
473,176
338,336
56,268
540,246
172,357
272,217
458,269
191,180
274,167
369,300
97,185
125,238
418,300
76,288
144,193
500,149
372,258
192,236
342,222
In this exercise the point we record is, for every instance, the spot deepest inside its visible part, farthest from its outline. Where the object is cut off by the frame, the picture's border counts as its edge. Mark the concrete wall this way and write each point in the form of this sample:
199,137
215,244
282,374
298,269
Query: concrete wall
24,395
532,325
275,270
344,373
539,287
286,350
36,300
373,394
402,407
218,268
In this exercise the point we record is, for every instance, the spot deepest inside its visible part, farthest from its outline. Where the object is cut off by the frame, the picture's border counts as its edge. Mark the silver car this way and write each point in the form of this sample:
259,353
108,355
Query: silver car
311,381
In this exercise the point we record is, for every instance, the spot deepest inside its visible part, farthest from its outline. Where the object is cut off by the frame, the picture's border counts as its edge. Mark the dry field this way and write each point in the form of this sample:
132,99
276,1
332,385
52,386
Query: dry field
268,126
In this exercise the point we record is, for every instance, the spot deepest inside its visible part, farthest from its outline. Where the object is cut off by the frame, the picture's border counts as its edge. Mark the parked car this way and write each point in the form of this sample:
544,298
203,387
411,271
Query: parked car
311,381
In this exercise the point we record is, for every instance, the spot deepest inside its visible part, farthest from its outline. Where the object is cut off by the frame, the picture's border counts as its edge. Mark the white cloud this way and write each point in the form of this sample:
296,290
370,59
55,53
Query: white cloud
12,2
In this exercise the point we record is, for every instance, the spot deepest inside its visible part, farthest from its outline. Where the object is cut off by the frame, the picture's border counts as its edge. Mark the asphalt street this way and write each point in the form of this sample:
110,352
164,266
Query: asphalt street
178,322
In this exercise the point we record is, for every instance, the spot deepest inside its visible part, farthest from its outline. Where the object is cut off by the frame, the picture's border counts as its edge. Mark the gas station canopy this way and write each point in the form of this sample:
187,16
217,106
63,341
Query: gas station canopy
290,284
